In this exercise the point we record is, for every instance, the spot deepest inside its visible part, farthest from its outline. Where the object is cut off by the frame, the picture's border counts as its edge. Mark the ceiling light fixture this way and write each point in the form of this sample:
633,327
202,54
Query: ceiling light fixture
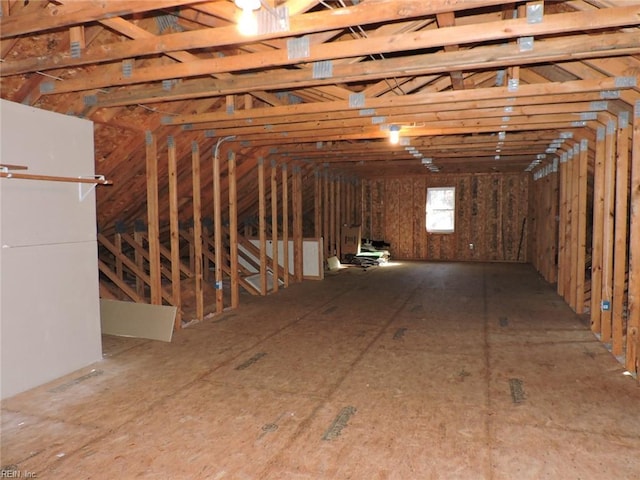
247,23
394,134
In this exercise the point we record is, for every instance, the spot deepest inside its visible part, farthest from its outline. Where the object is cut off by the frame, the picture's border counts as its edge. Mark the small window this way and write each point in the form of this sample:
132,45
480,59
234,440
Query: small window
441,209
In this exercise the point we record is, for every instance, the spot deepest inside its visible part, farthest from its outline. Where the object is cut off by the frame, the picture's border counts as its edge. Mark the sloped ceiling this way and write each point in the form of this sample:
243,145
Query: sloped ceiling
473,85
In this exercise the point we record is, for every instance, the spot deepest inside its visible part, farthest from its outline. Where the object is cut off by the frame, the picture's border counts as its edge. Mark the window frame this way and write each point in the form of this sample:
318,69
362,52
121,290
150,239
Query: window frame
428,210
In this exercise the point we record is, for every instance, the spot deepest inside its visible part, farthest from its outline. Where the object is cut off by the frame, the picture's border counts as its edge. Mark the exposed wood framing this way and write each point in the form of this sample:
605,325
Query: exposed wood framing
153,220
233,230
608,229
285,224
174,227
633,326
597,250
197,229
620,253
217,229
274,227
297,223
262,226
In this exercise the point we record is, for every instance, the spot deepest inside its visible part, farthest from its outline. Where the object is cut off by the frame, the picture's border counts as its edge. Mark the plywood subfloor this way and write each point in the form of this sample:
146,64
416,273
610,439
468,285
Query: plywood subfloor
409,371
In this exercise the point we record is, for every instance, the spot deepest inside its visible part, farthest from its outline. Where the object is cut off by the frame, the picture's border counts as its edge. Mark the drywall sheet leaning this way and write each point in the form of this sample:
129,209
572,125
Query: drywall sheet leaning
312,262
129,319
49,297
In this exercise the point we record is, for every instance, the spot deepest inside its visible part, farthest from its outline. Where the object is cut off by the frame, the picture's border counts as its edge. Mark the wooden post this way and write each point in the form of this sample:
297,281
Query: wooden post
598,225
285,225
262,227
118,243
297,224
174,227
152,216
608,229
562,215
338,218
581,227
572,233
620,242
197,230
217,229
139,259
632,360
233,231
317,205
274,225
326,209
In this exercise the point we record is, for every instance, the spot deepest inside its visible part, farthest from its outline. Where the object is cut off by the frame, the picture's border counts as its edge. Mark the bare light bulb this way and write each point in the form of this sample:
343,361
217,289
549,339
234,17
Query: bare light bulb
248,24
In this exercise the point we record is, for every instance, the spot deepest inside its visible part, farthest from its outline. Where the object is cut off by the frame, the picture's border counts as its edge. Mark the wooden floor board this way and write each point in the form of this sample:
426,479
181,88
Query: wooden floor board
418,370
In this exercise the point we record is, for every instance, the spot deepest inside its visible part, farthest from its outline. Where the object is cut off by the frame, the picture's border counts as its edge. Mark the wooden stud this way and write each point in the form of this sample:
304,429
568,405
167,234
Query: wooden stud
581,227
217,229
317,204
620,235
338,217
262,227
297,224
572,233
117,241
233,230
139,259
326,211
332,217
597,252
608,228
197,230
285,225
562,246
174,228
274,226
632,360
153,220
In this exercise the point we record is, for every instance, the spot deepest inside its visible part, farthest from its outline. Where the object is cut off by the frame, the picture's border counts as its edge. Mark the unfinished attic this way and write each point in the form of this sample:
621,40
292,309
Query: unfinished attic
379,238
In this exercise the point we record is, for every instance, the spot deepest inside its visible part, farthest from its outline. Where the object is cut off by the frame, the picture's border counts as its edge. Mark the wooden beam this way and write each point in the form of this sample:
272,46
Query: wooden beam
620,256
632,360
597,249
233,229
554,50
174,227
217,228
76,13
338,217
274,226
492,94
262,227
448,19
380,11
608,229
297,224
139,259
581,233
197,229
153,220
317,204
326,210
285,224
130,292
